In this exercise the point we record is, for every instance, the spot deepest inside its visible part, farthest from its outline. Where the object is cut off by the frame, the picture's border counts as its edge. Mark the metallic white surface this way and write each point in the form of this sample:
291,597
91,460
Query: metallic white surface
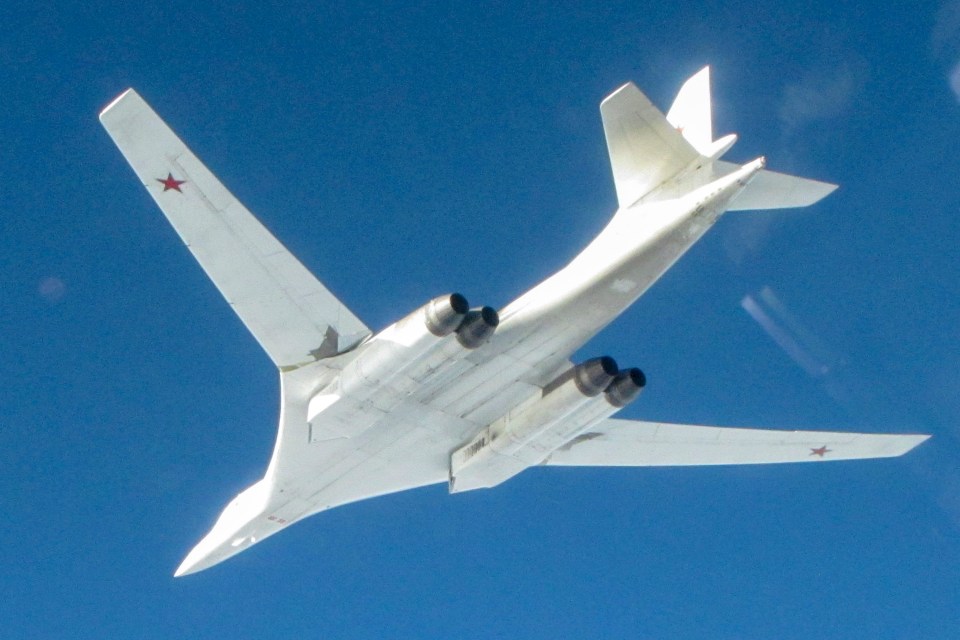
362,417
633,443
645,149
526,434
283,305
690,113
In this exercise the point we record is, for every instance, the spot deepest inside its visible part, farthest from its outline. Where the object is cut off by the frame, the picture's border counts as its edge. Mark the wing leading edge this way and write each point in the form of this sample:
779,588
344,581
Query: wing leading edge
634,443
292,315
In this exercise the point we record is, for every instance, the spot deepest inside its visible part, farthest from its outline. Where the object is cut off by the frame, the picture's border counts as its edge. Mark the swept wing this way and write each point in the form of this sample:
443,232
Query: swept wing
412,407
635,443
292,315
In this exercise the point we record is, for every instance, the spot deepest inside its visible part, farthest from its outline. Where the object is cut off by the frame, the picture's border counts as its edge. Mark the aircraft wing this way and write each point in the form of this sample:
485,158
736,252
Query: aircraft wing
633,443
291,314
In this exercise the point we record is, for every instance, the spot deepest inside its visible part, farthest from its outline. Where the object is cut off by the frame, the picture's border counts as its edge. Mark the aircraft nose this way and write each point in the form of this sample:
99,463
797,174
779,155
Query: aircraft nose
212,550
189,565
182,570
199,558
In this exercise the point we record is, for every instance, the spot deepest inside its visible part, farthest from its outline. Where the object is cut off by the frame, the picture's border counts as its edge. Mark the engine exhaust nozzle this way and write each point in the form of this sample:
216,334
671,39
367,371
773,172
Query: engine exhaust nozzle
477,327
444,314
626,387
593,376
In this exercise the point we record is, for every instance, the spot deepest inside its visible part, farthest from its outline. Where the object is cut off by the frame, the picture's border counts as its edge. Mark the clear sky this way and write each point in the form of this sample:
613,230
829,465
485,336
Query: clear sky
408,152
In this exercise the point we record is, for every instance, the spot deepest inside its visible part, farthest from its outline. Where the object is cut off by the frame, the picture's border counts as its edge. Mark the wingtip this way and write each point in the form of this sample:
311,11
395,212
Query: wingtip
815,191
909,442
616,92
116,101
920,438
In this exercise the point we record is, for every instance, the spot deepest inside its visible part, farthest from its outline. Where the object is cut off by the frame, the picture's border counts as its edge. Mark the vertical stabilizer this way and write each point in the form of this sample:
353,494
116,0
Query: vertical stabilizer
645,150
691,113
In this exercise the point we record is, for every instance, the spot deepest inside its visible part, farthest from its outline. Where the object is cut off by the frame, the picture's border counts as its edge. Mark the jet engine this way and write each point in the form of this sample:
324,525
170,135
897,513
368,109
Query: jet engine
395,362
400,345
573,403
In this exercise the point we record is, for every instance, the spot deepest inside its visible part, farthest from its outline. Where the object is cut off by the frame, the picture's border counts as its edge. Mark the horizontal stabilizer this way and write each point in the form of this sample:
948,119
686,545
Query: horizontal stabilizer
772,190
633,443
645,149
290,313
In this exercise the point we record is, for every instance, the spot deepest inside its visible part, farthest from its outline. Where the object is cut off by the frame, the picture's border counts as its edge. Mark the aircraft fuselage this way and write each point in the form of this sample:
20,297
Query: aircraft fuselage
631,253
424,417
470,397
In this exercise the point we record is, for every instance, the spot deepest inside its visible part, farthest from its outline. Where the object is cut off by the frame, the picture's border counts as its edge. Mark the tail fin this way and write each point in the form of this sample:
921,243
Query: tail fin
672,154
691,113
648,150
645,150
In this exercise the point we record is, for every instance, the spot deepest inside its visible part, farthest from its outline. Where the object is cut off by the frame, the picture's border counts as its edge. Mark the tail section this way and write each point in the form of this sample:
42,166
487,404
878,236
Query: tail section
656,157
645,149
691,114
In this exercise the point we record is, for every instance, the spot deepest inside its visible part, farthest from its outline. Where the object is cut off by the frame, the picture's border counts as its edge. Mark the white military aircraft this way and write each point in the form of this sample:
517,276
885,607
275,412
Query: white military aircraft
470,396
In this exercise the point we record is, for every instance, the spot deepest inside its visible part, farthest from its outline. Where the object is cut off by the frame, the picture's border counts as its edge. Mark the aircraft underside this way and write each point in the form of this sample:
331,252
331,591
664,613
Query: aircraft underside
469,396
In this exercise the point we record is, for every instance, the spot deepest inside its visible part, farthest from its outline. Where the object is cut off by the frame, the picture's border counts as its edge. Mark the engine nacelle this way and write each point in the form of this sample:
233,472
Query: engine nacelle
626,387
396,362
477,327
525,436
561,398
623,390
401,344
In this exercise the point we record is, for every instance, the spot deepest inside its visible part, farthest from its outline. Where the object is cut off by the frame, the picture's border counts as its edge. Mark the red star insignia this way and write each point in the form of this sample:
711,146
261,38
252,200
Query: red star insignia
821,451
170,183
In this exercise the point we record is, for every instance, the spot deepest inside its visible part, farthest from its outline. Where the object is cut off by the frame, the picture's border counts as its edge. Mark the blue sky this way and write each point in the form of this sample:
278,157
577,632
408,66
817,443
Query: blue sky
410,151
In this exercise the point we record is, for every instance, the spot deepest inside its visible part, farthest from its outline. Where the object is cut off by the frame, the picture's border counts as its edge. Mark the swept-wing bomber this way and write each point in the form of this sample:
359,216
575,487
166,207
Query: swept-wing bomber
463,395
